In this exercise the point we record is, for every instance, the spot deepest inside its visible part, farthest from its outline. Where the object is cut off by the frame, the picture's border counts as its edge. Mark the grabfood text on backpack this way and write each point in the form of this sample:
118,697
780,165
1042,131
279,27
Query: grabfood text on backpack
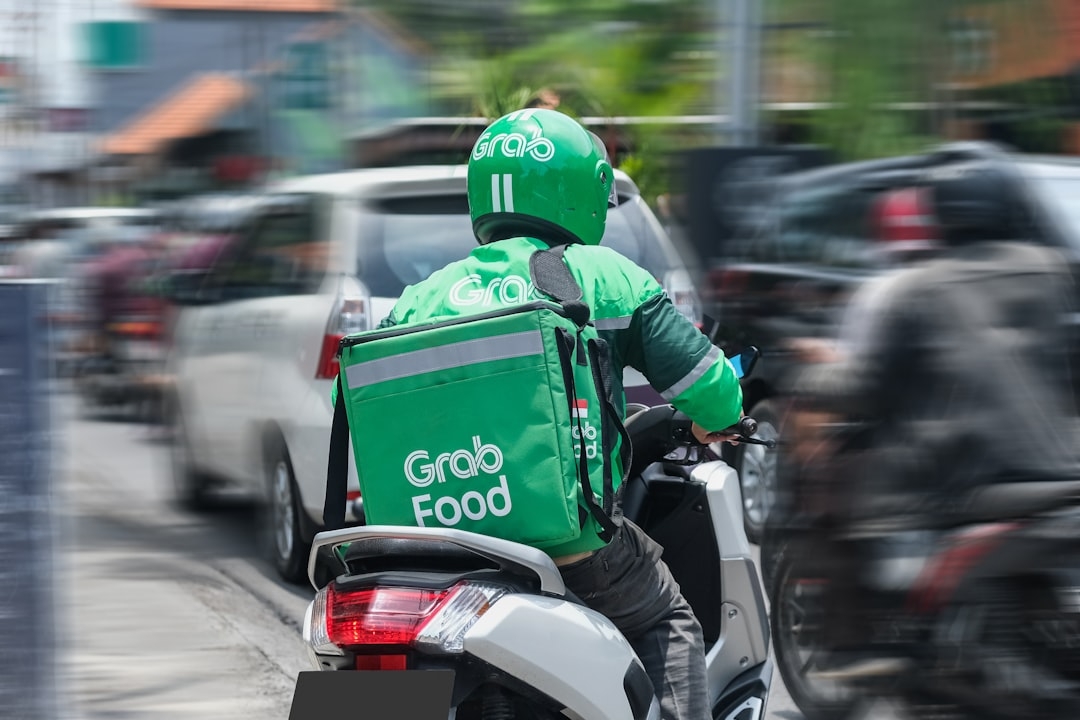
483,461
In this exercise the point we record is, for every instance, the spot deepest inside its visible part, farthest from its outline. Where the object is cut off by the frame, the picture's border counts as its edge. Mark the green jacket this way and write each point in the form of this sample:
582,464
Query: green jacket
629,309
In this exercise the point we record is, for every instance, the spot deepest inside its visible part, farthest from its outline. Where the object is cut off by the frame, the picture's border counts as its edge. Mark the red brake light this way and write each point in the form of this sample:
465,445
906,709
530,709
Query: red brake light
379,616
935,586
328,360
382,662
349,316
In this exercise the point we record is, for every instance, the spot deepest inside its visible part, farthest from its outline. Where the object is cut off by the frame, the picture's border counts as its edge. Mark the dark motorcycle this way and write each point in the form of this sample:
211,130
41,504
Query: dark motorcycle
973,611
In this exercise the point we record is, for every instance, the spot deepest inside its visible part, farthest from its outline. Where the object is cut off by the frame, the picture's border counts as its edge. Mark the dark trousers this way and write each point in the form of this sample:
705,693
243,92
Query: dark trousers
627,582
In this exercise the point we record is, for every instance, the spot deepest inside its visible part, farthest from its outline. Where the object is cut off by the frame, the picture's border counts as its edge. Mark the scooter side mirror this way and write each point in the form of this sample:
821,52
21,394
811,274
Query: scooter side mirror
745,361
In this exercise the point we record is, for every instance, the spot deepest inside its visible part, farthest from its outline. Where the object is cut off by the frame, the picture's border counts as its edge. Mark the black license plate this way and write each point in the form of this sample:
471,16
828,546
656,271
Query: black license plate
373,695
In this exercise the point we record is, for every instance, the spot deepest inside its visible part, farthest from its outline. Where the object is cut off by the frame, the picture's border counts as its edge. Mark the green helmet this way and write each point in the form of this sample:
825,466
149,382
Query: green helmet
539,173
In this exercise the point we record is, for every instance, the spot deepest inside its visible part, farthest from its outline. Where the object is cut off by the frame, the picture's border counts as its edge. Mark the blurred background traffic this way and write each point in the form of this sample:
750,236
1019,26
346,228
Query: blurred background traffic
139,138
219,190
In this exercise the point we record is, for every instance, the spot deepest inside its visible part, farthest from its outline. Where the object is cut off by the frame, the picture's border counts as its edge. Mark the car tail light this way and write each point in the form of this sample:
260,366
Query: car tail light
683,296
381,617
328,360
351,314
724,283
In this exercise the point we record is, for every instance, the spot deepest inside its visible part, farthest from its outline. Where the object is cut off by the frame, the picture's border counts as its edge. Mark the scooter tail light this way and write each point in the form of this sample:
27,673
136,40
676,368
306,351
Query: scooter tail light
382,617
382,662
467,603
315,631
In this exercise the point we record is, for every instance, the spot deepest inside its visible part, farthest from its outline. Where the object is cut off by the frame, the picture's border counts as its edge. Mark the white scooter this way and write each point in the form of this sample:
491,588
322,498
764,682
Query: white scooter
497,614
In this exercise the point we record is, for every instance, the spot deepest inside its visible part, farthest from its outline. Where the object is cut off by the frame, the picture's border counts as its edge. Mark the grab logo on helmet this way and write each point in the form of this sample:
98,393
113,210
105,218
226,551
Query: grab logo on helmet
514,145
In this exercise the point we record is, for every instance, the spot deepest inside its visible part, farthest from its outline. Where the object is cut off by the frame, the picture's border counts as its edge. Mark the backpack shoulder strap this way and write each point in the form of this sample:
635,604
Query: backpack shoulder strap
551,276
337,472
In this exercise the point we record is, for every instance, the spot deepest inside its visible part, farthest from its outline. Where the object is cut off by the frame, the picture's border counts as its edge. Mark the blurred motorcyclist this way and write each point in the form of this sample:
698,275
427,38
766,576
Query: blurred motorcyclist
904,231
956,369
538,179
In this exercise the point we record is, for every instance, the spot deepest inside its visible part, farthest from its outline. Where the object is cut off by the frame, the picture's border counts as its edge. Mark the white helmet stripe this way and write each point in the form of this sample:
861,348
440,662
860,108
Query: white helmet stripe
508,193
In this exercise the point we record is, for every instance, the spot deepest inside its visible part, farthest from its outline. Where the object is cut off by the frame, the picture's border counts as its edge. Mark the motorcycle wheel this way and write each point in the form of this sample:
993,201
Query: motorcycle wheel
797,621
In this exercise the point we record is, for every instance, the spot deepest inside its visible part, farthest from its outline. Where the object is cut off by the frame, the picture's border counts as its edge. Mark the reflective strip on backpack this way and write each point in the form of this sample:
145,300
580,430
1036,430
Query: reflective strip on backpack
693,376
444,357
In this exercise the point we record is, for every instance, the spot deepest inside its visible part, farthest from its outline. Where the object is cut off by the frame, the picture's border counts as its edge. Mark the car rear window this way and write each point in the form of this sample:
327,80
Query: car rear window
405,239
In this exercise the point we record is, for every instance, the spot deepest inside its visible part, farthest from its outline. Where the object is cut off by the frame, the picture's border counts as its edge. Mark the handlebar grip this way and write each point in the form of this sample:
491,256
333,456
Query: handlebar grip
746,427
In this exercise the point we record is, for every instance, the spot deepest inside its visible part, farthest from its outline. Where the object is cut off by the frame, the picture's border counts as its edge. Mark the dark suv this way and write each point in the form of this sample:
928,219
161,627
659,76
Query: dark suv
789,274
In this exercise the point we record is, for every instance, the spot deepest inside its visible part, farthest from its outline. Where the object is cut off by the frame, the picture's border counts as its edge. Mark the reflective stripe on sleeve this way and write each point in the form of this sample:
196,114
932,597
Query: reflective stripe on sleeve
693,376
444,357
615,323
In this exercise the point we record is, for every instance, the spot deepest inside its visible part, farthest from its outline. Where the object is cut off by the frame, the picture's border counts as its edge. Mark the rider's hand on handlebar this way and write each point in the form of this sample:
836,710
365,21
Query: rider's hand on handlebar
705,437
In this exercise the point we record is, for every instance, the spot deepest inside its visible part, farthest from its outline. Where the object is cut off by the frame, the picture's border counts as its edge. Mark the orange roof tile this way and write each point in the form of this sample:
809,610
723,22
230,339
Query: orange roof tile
1032,40
305,6
189,111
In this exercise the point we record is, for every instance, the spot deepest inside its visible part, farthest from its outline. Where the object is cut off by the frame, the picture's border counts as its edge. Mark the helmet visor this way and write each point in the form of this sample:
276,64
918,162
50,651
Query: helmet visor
613,195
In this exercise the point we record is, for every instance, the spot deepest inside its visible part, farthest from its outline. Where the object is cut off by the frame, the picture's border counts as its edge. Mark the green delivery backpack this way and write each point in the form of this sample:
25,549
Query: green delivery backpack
500,423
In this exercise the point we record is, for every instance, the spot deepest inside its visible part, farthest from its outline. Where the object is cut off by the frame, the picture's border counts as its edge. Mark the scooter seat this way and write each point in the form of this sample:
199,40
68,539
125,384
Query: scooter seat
412,554
372,555
1004,501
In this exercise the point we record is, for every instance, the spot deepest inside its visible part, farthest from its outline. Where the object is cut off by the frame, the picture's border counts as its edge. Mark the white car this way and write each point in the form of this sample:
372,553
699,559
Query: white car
253,357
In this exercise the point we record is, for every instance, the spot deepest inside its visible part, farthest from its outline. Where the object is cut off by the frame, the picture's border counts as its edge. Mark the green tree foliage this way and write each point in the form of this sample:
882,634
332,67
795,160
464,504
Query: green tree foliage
605,58
883,66
889,66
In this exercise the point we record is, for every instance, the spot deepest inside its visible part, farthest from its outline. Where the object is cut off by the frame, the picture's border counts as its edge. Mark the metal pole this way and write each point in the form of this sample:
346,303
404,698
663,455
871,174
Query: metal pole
744,29
724,74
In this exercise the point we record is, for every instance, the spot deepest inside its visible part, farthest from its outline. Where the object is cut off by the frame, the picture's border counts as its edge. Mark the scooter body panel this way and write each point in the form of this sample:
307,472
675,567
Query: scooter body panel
725,505
572,654
744,637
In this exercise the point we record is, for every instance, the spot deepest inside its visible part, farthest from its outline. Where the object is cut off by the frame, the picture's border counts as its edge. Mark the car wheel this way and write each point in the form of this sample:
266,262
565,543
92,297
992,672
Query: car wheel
756,466
190,485
284,540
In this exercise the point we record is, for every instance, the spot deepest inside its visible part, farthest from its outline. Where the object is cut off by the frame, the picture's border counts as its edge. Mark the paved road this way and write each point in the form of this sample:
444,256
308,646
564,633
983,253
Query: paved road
174,615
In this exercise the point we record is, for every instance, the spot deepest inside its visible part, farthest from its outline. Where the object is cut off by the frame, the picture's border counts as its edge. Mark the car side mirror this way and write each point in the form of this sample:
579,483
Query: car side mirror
711,327
187,288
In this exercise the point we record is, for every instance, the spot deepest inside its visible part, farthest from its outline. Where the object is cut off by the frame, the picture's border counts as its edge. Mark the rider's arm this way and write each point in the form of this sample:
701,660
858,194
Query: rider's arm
875,335
680,362
388,321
